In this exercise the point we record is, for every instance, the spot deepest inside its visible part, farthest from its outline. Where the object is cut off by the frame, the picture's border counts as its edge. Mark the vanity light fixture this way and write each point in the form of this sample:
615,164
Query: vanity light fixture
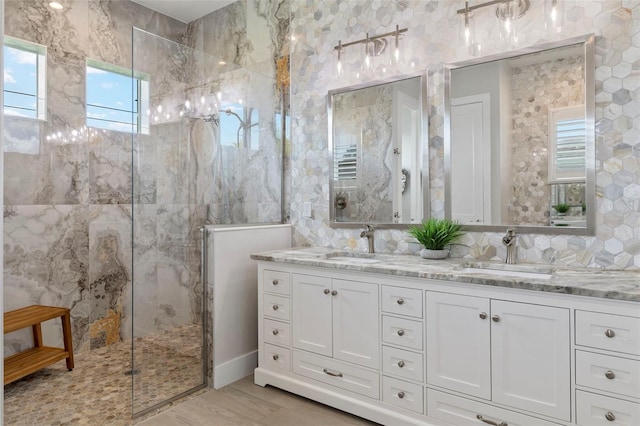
507,11
554,16
373,48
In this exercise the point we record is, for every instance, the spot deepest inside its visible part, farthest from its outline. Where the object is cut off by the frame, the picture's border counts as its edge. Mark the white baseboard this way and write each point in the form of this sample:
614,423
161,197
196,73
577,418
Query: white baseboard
235,369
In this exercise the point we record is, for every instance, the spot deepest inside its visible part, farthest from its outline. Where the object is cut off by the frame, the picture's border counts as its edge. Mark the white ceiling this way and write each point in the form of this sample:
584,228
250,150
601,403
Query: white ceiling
185,10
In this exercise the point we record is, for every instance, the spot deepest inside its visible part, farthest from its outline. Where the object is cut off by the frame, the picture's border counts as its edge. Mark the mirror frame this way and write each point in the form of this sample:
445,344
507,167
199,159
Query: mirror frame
588,42
424,139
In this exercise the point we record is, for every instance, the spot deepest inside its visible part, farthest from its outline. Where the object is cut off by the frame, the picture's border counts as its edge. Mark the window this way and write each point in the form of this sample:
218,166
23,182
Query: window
25,79
115,98
346,162
567,144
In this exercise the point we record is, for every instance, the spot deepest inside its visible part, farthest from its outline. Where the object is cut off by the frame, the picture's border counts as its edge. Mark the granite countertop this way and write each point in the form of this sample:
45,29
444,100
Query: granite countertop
620,285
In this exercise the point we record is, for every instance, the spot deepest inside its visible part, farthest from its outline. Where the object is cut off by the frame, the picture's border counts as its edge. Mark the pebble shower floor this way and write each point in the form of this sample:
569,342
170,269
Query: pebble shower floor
98,392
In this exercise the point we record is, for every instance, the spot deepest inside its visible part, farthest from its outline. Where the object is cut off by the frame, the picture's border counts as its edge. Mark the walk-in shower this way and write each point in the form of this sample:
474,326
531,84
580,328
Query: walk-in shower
211,157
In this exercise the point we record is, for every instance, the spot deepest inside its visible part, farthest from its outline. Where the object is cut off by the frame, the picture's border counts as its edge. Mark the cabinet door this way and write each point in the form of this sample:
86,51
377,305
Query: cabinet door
311,313
355,323
458,343
530,357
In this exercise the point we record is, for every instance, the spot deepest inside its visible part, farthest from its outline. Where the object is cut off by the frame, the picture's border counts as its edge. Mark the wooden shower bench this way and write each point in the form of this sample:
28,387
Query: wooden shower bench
31,360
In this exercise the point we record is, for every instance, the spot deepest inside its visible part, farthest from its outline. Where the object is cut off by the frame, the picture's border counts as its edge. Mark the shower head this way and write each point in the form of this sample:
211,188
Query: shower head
228,111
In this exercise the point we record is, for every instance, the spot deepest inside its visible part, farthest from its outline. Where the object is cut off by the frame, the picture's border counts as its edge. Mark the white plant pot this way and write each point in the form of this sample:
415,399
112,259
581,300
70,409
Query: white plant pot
434,254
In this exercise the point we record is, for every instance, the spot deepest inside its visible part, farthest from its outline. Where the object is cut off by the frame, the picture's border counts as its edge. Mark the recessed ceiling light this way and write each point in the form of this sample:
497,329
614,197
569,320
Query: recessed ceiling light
222,63
55,5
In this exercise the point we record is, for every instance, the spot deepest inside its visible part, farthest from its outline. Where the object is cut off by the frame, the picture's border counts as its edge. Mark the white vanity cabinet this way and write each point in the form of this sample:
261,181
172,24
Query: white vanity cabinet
336,318
511,353
400,350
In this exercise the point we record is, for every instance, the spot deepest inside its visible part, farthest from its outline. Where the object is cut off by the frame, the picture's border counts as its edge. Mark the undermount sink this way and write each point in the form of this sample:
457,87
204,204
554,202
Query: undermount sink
507,273
353,257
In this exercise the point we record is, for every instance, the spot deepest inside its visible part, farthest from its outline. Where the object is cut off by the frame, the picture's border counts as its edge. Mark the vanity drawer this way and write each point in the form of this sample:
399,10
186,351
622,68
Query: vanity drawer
276,307
276,332
276,282
276,358
608,373
461,411
402,301
610,332
598,410
402,363
402,332
336,373
402,394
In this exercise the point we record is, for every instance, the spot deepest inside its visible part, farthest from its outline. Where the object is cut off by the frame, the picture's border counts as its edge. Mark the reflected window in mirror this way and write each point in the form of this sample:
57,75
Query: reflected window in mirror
520,139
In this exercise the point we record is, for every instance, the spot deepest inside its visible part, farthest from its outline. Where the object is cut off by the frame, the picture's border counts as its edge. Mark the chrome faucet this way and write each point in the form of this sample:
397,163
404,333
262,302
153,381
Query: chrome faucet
369,236
509,240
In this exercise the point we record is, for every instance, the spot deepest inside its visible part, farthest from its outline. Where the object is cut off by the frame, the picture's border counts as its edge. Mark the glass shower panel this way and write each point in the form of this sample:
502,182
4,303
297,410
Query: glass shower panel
212,155
168,293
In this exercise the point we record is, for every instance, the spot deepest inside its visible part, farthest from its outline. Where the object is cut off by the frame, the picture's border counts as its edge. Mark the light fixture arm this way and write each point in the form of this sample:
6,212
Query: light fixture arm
369,39
525,6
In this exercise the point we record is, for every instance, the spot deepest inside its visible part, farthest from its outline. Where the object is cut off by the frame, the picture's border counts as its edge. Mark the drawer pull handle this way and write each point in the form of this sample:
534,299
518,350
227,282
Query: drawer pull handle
609,333
274,282
275,357
275,307
327,291
400,301
275,332
496,318
482,419
400,332
483,315
331,373
400,395
400,364
334,292
610,374
610,416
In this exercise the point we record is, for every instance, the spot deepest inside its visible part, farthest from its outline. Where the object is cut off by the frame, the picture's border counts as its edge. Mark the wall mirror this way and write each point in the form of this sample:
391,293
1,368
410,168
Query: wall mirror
379,157
520,140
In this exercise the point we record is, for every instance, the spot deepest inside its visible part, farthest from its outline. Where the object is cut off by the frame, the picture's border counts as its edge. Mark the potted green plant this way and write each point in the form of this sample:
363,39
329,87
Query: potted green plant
561,208
435,235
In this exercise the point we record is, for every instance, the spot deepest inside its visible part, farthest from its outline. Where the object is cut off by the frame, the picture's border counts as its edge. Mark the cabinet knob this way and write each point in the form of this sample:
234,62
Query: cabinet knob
400,332
496,318
327,291
610,416
609,333
400,301
400,364
334,292
483,315
275,307
400,395
276,357
610,374
275,332
274,282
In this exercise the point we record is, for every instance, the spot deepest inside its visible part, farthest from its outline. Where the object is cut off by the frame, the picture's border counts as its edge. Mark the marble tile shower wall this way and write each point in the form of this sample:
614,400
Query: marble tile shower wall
67,215
67,206
431,42
556,84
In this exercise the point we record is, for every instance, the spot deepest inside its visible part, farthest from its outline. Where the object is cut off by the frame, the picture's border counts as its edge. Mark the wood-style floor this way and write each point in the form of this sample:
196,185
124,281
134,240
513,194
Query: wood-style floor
243,403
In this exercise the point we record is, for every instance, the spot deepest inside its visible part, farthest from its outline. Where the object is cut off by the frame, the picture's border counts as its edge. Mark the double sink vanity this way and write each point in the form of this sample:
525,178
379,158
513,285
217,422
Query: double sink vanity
398,339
